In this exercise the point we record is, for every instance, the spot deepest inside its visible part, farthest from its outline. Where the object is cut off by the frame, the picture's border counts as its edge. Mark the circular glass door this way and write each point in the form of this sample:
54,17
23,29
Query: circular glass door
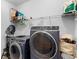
15,52
44,43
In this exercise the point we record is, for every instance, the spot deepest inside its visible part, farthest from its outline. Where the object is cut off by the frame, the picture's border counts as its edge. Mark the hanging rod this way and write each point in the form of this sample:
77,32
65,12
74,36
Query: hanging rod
54,16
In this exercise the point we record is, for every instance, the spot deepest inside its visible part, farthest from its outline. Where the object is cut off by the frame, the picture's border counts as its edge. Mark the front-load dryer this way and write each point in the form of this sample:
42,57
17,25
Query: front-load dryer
44,42
18,47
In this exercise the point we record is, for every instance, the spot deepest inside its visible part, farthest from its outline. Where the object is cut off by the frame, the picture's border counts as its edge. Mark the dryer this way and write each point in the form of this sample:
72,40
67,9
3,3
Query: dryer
18,47
44,42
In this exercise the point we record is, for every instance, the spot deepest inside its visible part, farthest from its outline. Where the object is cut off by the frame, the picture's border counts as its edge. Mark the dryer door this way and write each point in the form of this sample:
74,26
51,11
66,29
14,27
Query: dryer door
43,44
15,51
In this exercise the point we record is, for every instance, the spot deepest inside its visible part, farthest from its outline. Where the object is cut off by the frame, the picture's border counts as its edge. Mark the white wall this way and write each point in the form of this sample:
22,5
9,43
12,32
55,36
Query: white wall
43,8
5,20
38,8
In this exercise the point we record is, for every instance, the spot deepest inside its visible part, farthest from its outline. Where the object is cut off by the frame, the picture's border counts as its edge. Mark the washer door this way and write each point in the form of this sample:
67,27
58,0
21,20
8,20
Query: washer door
43,44
15,51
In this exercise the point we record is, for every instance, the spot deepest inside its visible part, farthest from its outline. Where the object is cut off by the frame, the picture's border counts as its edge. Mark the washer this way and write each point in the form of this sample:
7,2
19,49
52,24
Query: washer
44,42
18,47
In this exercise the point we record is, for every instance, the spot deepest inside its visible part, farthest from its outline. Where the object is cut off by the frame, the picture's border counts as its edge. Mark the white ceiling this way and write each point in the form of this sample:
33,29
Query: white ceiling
17,2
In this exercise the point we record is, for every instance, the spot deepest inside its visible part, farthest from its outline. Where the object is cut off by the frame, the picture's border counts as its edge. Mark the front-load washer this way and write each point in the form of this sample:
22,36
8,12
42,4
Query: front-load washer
18,47
44,42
